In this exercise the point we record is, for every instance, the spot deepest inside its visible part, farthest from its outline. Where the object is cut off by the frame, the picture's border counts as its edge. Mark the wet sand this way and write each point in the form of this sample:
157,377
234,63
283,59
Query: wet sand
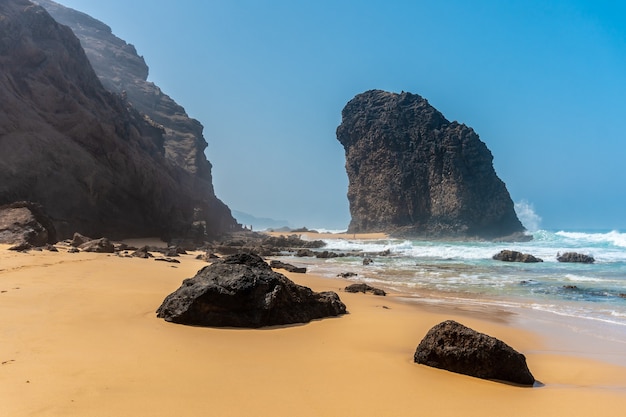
79,337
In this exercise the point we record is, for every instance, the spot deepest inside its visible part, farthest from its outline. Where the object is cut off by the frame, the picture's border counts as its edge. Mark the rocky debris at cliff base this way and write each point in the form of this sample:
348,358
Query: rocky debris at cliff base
25,224
515,256
364,288
575,257
78,239
143,252
102,245
457,348
242,291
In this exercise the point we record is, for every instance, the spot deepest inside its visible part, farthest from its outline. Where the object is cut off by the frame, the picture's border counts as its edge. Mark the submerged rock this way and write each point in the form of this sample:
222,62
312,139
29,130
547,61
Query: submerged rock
514,256
242,291
456,348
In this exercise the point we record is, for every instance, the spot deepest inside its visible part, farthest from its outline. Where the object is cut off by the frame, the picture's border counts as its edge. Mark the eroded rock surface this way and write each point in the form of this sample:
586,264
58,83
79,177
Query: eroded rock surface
412,172
457,348
25,223
242,291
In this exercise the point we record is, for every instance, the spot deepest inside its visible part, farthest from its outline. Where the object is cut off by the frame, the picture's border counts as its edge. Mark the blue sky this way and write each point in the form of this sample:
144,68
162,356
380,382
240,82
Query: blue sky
542,83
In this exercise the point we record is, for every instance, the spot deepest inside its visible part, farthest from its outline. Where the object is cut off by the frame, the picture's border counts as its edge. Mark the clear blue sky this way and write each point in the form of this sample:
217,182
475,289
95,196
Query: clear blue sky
543,83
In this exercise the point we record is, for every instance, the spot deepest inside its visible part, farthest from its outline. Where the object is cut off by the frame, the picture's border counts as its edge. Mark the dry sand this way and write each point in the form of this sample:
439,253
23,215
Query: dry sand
79,337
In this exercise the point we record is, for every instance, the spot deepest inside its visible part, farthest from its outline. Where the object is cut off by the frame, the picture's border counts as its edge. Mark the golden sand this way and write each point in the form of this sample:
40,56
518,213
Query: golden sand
79,337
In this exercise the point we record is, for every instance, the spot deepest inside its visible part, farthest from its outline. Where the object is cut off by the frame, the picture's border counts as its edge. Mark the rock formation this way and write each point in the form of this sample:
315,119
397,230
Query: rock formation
93,162
515,256
456,348
243,291
412,172
121,70
25,223
575,257
364,288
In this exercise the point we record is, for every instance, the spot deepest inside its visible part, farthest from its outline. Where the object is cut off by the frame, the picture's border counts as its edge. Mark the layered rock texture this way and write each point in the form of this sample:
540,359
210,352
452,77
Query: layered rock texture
412,172
25,223
96,163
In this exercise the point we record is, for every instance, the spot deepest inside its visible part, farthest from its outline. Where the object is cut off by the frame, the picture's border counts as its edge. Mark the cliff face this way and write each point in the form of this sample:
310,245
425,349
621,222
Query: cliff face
412,172
121,70
90,159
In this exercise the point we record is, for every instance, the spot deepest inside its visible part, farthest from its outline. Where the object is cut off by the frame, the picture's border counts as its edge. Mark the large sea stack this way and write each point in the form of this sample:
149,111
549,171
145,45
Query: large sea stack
413,173
94,160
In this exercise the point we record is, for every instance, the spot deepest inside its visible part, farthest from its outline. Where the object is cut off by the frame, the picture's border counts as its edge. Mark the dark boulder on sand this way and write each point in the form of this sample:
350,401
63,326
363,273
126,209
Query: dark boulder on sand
364,288
456,348
242,291
515,256
287,267
575,257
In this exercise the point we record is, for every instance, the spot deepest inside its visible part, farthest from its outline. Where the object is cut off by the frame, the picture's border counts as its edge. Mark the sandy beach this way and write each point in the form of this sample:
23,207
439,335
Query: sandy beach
80,338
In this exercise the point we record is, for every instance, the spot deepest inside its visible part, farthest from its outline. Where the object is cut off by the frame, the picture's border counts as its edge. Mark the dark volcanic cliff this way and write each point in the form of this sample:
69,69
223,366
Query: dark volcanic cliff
412,172
90,159
121,70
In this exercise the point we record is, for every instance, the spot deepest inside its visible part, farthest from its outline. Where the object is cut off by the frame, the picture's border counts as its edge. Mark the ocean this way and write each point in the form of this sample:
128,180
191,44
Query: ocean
590,297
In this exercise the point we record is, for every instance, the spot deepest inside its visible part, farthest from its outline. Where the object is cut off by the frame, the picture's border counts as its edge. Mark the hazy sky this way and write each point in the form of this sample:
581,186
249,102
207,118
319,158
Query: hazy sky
543,83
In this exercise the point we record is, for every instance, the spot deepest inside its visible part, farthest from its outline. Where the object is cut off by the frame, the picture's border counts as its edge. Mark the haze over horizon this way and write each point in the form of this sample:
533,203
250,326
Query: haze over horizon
542,83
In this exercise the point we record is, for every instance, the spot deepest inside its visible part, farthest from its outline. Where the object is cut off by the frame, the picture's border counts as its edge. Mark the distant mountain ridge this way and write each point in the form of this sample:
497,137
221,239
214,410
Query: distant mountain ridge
93,161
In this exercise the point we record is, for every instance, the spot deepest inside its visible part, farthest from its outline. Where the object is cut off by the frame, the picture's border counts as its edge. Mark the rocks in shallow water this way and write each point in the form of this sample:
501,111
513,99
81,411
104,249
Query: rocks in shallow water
287,267
514,256
575,257
456,348
347,274
364,288
242,291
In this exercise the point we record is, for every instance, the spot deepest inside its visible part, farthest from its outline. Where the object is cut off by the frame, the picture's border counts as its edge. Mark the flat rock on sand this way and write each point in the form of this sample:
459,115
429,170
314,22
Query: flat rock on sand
242,291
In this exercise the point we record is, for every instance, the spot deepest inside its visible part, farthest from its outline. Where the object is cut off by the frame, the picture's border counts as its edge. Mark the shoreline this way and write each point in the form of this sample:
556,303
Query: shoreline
81,337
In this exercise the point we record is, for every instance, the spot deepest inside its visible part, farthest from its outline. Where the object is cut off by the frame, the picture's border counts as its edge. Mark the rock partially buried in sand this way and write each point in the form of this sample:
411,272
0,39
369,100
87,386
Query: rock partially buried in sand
456,348
364,288
242,291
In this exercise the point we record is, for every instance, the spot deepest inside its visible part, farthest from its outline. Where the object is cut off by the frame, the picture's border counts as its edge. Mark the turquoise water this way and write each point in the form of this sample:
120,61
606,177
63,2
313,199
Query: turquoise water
464,272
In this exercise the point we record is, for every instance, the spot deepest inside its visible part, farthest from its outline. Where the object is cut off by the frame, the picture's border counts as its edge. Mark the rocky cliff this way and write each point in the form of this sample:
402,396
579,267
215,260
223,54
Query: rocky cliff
121,70
93,162
412,172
